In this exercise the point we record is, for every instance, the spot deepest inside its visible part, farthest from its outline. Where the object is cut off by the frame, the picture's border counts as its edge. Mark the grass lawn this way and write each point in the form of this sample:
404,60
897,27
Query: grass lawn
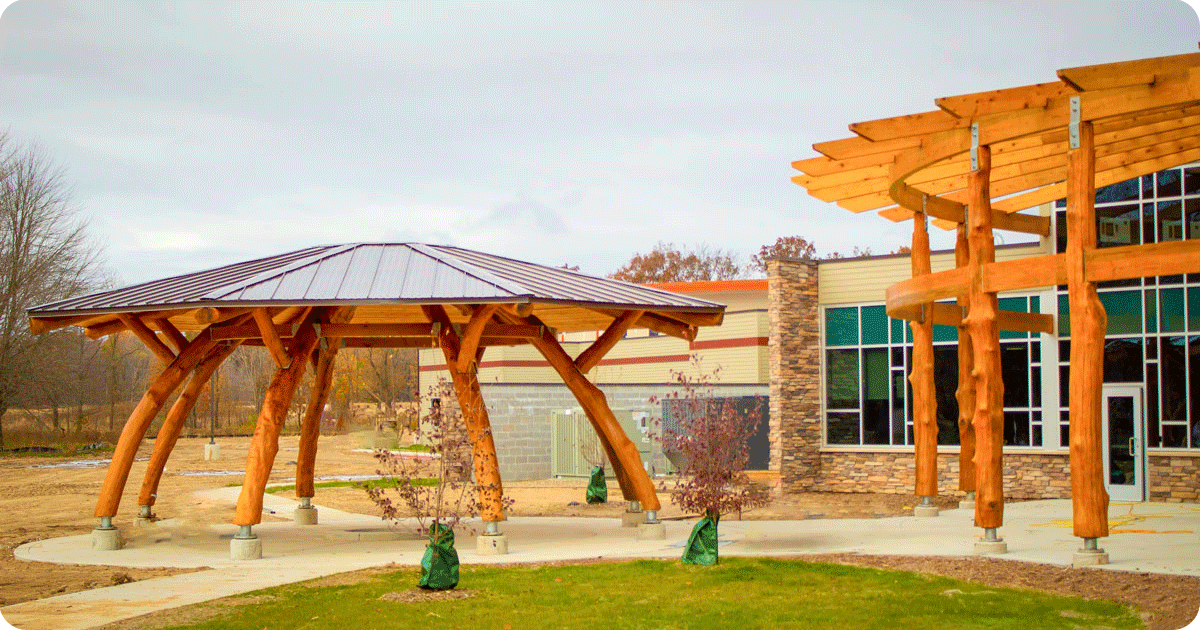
742,593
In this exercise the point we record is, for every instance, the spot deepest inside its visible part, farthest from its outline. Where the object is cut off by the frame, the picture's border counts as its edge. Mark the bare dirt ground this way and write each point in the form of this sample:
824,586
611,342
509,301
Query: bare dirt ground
49,497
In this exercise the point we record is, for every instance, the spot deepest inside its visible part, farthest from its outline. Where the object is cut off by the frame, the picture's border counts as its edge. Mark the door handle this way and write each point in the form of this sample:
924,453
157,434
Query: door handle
1133,447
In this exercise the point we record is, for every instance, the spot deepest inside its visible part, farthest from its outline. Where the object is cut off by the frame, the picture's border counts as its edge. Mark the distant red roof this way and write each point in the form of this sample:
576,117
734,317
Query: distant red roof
709,286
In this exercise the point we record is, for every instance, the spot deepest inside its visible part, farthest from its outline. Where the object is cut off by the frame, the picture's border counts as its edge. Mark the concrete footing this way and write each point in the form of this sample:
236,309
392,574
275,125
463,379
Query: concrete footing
651,531
212,451
631,519
990,547
1089,558
245,548
491,545
305,515
966,505
925,510
106,539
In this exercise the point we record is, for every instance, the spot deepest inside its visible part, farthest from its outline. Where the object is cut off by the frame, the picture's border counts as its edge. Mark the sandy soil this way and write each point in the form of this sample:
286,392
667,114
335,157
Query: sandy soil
52,497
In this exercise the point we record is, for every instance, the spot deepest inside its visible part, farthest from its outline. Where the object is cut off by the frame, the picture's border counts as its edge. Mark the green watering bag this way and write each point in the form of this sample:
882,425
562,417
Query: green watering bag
439,565
597,490
701,546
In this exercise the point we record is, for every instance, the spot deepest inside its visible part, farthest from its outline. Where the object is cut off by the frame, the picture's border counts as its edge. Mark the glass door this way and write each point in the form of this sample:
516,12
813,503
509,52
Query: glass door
1124,442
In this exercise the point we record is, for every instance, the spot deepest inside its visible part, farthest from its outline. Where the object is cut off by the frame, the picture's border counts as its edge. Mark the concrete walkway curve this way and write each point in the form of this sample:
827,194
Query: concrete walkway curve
1150,537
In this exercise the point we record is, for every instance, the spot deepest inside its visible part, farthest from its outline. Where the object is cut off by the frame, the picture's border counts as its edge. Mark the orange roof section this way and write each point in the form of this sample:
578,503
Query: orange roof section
710,286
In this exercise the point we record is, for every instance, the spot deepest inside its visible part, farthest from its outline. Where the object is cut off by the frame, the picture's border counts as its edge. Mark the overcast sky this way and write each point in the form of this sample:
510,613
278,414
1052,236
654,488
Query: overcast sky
197,134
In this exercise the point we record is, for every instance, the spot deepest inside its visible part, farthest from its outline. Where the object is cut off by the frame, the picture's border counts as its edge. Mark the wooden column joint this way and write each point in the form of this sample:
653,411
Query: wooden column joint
614,333
174,337
148,337
271,339
471,334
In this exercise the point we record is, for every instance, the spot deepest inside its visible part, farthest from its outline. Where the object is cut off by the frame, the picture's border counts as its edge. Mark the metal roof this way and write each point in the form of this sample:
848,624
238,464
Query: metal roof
376,273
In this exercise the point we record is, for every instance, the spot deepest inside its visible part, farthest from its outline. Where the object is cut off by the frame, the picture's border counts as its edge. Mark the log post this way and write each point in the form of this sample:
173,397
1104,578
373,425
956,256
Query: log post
265,443
168,434
985,341
139,421
965,395
1089,499
635,483
310,426
924,402
474,413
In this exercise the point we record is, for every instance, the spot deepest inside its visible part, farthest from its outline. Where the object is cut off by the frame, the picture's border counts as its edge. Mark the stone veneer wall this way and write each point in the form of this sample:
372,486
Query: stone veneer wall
795,372
1026,476
1174,477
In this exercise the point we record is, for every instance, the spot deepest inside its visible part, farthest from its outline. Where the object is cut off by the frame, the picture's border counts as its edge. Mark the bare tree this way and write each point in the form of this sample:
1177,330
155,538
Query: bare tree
667,263
45,255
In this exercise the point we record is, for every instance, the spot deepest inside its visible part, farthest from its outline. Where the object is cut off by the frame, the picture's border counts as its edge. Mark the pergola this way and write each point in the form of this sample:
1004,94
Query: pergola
973,165
305,305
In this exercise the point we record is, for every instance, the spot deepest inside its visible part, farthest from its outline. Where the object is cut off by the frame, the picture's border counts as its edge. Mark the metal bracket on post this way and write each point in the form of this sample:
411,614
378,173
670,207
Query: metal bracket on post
1073,128
974,146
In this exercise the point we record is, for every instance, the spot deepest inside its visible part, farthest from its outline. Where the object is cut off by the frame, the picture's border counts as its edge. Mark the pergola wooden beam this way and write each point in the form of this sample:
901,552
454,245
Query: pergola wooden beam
471,334
174,337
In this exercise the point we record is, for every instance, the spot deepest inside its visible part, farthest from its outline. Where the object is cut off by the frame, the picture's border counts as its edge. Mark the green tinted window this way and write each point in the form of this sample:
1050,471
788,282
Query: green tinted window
1019,305
874,325
897,330
1124,311
1151,310
944,333
1170,315
1064,317
875,374
841,326
841,379
1194,316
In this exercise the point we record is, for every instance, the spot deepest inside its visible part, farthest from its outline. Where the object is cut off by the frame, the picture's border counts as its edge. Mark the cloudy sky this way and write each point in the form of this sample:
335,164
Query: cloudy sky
196,134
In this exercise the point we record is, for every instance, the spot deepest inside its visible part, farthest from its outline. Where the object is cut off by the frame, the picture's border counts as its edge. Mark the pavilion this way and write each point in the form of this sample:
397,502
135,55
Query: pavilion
304,305
973,165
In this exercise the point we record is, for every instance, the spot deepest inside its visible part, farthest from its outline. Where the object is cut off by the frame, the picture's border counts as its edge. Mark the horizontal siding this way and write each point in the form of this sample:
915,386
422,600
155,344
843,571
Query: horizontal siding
867,279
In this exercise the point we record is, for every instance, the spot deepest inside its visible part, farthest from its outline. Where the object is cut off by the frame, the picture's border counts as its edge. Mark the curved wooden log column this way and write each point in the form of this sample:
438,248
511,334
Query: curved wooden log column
310,426
265,443
1089,499
622,453
985,343
168,434
141,417
924,402
470,402
965,395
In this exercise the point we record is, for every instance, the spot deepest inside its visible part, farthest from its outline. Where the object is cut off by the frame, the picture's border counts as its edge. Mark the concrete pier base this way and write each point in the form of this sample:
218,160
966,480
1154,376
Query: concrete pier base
245,548
305,515
106,539
212,451
925,510
631,519
491,544
651,531
990,547
1089,558
966,505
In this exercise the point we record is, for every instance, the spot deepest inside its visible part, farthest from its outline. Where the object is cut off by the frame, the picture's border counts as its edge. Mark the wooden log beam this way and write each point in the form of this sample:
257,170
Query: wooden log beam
148,337
471,334
614,333
659,323
1025,273
264,445
168,433
270,337
1089,499
139,421
944,314
475,416
249,332
426,330
174,337
928,288
984,330
1140,261
965,394
924,398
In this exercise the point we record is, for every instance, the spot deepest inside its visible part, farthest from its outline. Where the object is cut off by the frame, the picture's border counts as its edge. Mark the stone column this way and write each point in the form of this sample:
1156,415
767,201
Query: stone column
795,368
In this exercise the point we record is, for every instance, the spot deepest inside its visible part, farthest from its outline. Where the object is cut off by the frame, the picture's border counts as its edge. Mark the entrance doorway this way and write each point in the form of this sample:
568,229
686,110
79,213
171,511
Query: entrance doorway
1124,442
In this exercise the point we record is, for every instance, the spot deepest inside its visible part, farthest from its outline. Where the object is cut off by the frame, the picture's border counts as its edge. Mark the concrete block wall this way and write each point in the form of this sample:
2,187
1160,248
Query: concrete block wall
521,425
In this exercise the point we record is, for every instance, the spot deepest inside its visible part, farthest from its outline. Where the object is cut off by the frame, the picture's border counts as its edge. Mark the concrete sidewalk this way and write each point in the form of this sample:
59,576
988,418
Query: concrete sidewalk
1152,537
